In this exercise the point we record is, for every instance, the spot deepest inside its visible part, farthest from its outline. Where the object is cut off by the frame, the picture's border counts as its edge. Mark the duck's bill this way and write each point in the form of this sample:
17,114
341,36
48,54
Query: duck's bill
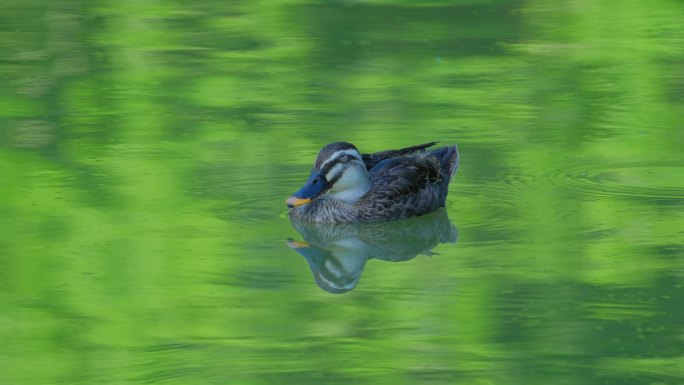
297,245
313,188
294,201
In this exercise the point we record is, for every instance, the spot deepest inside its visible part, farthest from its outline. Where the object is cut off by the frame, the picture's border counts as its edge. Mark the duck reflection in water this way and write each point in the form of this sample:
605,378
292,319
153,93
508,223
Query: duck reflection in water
337,252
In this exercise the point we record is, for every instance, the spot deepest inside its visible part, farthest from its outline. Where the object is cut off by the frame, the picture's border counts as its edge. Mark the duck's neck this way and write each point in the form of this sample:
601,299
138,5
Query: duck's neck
349,196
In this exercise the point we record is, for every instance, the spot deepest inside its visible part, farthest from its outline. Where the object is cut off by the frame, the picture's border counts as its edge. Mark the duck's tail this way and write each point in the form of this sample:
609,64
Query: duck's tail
448,159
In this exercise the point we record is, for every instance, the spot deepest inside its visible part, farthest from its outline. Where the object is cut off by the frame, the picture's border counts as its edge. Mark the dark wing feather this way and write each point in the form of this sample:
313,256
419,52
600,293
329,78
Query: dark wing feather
371,160
403,187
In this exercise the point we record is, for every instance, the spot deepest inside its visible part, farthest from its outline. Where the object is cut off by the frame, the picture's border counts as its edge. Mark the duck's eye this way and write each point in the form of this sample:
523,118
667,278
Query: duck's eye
316,180
344,158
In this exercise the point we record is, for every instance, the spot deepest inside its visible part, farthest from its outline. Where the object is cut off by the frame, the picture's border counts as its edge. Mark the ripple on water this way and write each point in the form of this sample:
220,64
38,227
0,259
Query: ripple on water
658,182
245,195
488,206
502,206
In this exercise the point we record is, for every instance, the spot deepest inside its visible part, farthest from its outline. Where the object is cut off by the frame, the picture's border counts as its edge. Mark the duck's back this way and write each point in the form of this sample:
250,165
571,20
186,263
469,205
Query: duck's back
409,186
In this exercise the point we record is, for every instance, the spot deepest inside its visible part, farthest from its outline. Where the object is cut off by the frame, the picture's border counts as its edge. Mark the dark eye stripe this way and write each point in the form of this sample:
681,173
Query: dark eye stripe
326,169
344,158
336,178
332,164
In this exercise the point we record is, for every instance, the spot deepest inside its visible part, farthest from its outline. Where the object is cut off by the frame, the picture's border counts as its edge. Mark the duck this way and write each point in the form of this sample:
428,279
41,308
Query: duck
348,186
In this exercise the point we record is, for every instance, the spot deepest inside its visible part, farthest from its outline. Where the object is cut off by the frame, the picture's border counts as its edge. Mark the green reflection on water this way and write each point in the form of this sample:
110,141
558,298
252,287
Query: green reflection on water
146,151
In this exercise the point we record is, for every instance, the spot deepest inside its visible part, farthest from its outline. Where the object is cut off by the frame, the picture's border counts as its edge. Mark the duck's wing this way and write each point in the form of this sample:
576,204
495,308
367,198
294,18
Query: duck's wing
371,160
403,187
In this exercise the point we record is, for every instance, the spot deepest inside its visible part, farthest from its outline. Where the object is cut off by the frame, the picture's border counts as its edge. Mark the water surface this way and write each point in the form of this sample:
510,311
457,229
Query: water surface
146,151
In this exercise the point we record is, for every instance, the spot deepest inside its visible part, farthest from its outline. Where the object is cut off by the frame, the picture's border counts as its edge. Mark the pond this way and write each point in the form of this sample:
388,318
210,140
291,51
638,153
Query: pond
147,149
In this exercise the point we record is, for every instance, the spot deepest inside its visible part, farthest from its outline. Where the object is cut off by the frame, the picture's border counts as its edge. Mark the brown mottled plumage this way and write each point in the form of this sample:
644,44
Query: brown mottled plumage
346,186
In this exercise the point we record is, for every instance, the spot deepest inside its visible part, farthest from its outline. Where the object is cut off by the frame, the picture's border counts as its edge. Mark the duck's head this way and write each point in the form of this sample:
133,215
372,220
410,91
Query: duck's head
338,173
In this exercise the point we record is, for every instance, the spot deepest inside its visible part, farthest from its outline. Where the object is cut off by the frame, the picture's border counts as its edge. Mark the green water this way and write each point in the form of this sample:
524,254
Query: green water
146,150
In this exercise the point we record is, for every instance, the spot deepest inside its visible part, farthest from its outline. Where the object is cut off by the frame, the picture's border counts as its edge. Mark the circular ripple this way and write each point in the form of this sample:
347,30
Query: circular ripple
626,181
